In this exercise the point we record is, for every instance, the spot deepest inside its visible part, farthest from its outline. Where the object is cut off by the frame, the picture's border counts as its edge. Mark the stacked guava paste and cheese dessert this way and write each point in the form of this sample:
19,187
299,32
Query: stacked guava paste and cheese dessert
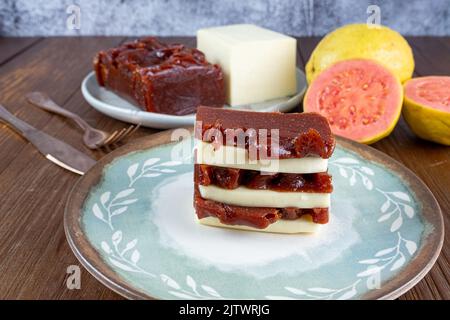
262,171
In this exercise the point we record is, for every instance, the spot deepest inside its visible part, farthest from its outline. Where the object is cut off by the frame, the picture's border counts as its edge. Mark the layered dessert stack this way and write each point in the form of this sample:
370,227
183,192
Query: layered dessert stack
262,171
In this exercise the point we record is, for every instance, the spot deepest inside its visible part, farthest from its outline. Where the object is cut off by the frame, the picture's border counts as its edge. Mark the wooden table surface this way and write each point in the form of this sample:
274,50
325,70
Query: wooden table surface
33,191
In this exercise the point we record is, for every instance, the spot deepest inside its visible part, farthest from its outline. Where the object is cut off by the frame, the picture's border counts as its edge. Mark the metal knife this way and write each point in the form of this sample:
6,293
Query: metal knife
53,149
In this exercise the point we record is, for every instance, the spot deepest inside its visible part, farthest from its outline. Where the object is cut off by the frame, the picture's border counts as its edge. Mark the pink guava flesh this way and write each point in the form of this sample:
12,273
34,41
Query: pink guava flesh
360,98
433,92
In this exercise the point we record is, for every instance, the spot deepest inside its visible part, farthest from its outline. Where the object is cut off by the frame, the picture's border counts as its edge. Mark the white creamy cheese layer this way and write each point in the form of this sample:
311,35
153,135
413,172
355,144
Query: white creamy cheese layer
234,157
258,64
246,197
301,225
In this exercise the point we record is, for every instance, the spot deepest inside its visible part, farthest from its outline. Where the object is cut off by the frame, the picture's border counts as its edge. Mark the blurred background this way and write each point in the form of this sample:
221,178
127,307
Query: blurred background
181,17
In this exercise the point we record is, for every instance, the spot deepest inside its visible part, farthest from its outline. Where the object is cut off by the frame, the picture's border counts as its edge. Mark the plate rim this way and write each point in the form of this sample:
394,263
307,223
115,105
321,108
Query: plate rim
91,260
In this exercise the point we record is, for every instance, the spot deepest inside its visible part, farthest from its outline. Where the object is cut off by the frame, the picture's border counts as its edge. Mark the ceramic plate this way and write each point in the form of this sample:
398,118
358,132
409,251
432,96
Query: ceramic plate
112,105
131,223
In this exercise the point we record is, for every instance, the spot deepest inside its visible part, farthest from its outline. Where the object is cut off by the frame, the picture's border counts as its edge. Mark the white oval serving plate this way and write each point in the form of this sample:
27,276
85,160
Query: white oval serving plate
116,107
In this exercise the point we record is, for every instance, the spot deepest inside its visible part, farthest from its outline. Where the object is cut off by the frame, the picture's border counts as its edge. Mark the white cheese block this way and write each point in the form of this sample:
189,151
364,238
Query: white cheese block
301,225
234,157
246,197
258,64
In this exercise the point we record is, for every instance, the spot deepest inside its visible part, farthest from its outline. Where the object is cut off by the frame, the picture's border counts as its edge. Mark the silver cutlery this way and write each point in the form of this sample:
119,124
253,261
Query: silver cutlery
92,138
53,149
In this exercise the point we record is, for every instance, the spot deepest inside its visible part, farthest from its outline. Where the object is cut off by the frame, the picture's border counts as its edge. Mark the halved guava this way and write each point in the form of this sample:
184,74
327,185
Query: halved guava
361,99
427,108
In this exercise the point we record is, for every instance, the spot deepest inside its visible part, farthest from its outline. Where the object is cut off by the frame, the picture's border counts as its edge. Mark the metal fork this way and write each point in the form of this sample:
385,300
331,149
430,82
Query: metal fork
92,138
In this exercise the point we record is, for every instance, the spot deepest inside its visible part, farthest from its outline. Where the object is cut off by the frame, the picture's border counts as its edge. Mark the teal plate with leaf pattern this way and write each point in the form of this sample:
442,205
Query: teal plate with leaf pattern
131,223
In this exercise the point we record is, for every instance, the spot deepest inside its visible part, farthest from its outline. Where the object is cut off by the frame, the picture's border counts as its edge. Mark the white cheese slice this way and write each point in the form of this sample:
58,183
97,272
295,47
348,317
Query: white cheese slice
258,64
234,157
301,225
246,197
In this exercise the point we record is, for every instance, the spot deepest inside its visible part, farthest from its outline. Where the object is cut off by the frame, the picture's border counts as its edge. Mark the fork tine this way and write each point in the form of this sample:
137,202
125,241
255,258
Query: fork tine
134,129
130,130
124,133
111,137
119,136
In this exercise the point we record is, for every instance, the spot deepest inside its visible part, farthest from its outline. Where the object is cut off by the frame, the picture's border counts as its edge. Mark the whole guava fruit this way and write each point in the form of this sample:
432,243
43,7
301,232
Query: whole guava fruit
363,41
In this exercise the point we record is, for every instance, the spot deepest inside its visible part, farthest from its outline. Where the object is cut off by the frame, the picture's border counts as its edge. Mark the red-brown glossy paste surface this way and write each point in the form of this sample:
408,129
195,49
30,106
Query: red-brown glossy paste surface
229,178
163,78
259,218
300,134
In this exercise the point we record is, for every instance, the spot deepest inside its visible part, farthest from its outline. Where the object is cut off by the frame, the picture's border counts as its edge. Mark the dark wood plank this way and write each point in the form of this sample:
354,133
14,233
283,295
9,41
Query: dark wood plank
431,162
12,47
31,176
56,66
33,191
431,55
